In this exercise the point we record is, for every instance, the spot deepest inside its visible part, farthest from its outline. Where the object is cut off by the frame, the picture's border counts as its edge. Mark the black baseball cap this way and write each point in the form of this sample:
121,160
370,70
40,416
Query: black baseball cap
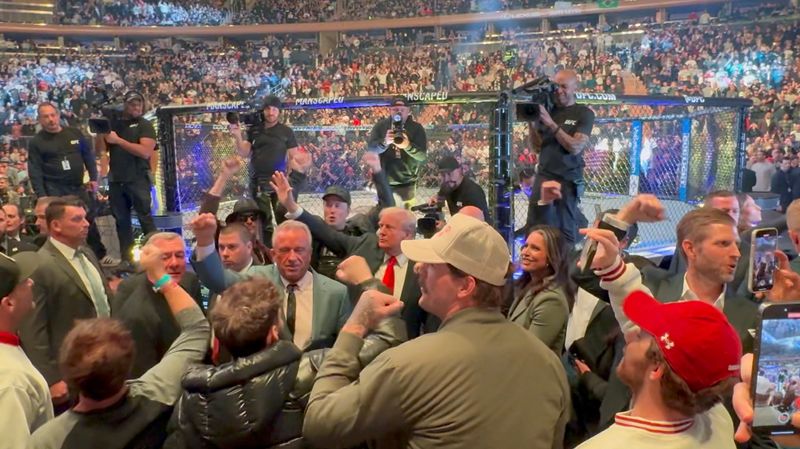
399,100
14,271
271,100
133,96
448,163
339,191
244,206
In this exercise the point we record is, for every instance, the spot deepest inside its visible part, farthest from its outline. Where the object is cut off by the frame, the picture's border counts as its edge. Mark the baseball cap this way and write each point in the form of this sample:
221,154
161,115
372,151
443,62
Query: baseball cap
468,244
133,96
271,100
696,339
339,191
399,100
448,163
14,271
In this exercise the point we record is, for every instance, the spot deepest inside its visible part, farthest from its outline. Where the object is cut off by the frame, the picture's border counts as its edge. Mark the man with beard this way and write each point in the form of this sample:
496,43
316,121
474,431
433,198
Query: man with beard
679,362
458,190
131,144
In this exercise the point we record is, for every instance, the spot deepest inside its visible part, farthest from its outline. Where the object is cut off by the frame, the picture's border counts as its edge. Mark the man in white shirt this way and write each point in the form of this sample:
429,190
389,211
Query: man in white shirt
24,395
679,361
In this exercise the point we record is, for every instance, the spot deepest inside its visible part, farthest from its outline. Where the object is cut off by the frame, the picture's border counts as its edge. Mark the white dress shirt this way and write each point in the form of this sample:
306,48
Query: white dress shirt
304,308
400,269
585,303
70,255
688,295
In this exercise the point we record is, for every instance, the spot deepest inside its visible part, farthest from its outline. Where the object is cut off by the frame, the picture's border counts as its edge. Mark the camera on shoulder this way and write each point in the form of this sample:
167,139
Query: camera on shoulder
432,215
540,91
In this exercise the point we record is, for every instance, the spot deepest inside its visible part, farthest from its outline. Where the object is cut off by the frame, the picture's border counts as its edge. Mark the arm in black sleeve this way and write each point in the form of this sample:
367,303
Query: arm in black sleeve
35,169
377,137
340,244
89,160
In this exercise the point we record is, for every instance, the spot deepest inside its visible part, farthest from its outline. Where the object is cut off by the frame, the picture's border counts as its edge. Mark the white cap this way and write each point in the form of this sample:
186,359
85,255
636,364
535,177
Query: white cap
468,244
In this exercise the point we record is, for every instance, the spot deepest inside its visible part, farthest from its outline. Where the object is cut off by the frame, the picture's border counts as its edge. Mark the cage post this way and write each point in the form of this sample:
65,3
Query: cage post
741,145
168,160
635,156
686,146
500,182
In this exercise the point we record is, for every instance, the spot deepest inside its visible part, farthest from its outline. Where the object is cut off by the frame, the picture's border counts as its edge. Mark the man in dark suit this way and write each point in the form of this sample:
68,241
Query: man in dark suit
8,245
69,286
144,310
381,252
316,306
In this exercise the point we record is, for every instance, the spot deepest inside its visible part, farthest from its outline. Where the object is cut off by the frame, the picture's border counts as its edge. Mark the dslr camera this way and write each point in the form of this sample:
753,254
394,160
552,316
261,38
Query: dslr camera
432,214
541,91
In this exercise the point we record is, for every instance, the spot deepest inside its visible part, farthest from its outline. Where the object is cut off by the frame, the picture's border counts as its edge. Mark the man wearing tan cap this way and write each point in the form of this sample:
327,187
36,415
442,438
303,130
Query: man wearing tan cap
479,382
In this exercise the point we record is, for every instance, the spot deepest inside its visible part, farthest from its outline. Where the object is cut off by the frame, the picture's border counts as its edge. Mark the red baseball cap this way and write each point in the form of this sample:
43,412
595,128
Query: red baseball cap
697,341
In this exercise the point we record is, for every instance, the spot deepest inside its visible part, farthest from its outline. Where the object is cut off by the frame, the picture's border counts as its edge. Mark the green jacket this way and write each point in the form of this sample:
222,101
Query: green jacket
479,382
544,314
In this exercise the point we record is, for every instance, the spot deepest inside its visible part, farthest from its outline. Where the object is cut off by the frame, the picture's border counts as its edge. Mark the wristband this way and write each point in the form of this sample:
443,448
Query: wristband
558,128
161,282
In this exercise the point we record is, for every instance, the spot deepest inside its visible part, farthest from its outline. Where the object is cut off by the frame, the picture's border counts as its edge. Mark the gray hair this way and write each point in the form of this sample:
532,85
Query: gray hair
408,219
289,225
164,236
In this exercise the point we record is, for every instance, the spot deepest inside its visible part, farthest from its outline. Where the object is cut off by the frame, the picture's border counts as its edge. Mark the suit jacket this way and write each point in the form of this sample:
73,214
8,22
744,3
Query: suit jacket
331,304
366,246
61,299
10,247
148,317
544,314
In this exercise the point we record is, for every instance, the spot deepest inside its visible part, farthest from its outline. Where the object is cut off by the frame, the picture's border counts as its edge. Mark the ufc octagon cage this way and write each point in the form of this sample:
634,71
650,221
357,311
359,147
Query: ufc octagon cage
677,148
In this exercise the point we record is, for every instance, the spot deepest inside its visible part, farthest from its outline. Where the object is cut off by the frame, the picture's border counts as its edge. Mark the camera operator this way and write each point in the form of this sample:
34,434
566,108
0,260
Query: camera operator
130,144
402,155
458,190
269,143
57,156
560,139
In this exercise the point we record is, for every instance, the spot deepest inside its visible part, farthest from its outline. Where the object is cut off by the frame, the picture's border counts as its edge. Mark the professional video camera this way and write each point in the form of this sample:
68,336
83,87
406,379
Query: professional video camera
432,215
107,107
542,91
249,118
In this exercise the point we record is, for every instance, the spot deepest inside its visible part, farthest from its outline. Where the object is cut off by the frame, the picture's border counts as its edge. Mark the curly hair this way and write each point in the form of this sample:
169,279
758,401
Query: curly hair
244,314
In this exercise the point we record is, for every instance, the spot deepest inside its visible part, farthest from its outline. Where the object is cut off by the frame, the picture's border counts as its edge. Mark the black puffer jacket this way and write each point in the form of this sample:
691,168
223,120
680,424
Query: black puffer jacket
242,404
258,401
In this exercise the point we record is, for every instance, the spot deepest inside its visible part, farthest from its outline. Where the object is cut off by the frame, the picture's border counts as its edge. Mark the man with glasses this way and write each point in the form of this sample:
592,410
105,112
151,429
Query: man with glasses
560,139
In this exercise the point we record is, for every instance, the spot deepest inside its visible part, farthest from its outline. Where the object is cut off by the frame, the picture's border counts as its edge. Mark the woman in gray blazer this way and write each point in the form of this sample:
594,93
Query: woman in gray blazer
544,295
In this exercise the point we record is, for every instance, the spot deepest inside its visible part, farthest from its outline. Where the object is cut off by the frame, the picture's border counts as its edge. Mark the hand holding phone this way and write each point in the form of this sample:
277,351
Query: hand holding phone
762,264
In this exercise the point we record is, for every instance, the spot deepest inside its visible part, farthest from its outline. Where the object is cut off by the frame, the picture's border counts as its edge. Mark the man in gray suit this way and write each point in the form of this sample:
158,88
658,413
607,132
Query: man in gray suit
69,286
316,306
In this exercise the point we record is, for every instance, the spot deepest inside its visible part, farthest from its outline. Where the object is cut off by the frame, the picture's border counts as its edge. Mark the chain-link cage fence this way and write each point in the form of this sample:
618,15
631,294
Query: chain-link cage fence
678,152
336,139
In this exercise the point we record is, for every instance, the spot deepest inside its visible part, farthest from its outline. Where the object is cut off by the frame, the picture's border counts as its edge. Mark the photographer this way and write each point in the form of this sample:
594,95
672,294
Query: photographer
402,155
560,138
131,144
268,145
458,190
57,157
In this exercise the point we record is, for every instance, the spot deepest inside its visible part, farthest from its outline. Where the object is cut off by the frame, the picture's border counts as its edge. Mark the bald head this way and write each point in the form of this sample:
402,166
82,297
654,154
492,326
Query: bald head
473,212
567,81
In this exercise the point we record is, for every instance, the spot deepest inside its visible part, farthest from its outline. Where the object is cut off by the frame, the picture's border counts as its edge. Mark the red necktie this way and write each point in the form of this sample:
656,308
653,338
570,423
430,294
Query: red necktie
388,277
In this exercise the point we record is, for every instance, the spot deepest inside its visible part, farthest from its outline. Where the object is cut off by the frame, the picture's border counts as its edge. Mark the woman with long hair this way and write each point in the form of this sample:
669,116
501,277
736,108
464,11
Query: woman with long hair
544,295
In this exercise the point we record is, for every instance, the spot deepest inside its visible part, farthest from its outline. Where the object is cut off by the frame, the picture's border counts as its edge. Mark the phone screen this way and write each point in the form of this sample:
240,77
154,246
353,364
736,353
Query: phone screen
590,246
763,263
776,372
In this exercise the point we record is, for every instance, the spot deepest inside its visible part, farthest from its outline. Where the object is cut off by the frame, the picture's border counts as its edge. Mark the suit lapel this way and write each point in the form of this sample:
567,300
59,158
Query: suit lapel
66,267
320,306
670,289
410,284
515,310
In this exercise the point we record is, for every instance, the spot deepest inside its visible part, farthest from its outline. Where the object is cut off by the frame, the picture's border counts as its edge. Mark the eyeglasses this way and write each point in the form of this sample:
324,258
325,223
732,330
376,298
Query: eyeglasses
251,216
